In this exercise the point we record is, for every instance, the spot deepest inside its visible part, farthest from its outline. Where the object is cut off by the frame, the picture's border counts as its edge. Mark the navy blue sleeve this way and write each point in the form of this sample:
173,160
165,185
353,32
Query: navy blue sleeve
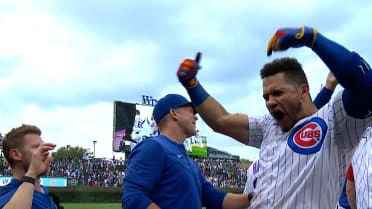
211,197
352,72
322,98
144,170
358,103
358,99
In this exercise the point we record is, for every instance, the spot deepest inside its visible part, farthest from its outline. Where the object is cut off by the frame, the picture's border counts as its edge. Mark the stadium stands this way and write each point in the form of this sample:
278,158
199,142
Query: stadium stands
223,173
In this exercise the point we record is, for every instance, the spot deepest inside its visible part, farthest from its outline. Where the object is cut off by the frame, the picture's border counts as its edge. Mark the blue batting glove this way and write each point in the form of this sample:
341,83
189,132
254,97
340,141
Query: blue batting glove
292,37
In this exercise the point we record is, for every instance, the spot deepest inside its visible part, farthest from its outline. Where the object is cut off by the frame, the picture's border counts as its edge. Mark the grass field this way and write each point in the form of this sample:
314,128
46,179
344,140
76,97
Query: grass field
93,205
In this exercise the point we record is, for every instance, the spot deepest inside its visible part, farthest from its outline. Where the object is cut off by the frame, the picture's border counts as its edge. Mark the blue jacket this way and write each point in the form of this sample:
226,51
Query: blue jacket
160,171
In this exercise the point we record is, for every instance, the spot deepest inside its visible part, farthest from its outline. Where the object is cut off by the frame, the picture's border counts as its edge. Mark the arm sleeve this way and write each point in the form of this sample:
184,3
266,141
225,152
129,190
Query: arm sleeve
350,174
352,72
256,130
144,169
322,98
211,197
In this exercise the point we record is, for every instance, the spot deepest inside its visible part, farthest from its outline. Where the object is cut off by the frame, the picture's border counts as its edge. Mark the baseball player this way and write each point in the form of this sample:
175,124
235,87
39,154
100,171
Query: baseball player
302,149
361,169
187,144
154,127
137,129
161,175
320,100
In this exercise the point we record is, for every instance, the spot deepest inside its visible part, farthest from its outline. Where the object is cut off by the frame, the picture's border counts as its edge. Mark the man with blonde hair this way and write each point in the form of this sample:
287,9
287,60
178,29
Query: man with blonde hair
28,157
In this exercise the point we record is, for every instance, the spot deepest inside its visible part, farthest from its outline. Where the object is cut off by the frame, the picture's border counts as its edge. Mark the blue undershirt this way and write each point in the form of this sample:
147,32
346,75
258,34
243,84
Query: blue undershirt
322,98
343,199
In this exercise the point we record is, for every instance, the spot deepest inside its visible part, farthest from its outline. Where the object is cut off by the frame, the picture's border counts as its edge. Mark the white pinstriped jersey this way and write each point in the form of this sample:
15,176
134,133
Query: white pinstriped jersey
305,167
362,169
252,177
138,123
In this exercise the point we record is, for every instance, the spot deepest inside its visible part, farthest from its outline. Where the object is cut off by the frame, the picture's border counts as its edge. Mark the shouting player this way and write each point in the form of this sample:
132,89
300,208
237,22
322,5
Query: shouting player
302,149
320,100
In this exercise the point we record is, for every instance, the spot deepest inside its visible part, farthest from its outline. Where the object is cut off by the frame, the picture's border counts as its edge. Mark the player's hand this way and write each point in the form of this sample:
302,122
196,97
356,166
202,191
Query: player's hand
187,72
40,160
292,37
331,82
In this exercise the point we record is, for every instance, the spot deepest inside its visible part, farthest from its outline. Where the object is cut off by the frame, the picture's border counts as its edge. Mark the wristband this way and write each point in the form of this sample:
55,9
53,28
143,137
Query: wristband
197,94
28,180
322,98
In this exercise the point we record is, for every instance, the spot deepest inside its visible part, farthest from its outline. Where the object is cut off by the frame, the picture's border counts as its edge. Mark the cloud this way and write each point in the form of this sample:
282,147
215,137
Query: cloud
64,61
69,126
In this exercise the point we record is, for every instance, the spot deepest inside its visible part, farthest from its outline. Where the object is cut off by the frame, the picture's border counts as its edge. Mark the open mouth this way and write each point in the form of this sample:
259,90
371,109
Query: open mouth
278,115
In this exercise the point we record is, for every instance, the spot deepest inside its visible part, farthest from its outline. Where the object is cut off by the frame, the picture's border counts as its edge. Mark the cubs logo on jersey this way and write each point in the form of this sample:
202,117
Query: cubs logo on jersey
308,137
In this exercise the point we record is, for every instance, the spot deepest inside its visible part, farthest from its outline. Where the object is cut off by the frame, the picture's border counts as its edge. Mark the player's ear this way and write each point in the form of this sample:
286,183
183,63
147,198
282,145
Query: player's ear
15,154
173,114
304,90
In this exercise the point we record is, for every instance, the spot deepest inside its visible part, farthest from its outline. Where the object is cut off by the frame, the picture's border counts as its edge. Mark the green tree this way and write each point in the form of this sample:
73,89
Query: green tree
68,153
246,161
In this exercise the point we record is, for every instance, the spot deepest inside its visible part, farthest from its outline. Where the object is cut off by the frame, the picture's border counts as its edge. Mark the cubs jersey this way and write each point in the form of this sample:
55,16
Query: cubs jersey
305,167
153,126
362,169
187,144
252,177
137,132
138,123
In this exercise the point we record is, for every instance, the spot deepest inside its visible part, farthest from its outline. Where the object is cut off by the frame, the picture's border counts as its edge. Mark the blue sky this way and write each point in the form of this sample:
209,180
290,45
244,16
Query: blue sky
63,63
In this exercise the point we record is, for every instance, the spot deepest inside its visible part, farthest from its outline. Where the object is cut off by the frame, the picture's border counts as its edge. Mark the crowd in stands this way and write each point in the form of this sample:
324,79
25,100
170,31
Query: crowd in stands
110,173
97,173
222,172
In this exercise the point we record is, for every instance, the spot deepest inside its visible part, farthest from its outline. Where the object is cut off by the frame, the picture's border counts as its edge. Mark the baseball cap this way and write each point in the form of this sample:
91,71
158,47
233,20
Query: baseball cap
170,101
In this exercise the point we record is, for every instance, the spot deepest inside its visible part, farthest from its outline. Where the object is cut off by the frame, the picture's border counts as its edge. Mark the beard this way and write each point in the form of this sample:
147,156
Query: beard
26,166
296,115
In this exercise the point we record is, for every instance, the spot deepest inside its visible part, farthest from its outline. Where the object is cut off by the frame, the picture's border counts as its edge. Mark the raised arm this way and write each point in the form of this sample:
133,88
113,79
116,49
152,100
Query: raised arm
39,164
326,92
350,70
212,112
